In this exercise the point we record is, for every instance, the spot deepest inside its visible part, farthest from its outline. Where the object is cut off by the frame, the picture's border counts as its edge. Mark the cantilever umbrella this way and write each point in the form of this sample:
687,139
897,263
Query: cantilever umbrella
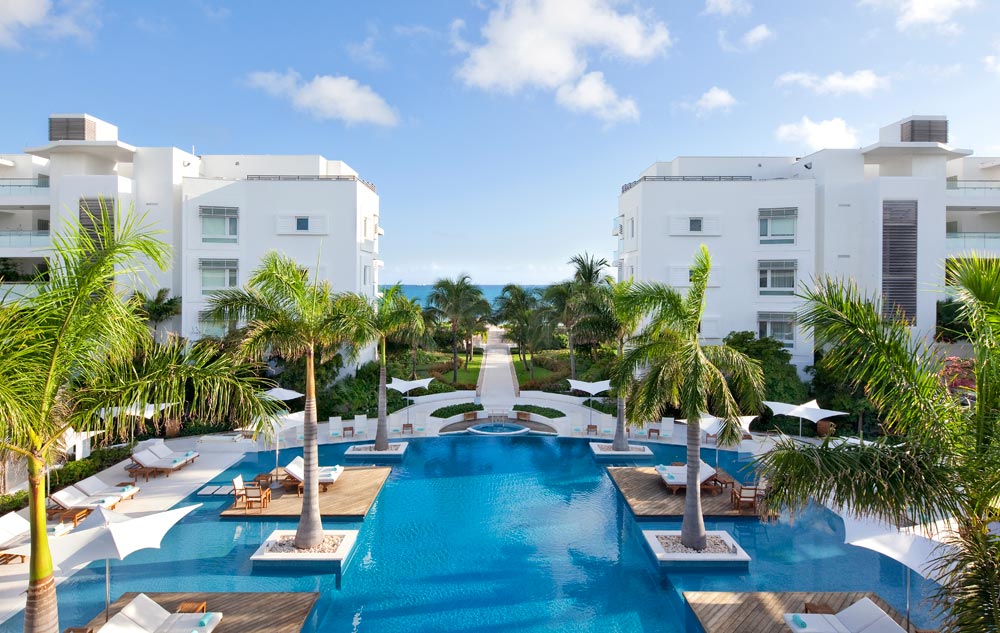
405,386
280,393
107,534
593,388
809,410
711,425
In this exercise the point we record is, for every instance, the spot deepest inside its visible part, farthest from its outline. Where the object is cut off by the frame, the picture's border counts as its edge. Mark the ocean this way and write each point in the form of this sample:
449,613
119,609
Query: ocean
420,292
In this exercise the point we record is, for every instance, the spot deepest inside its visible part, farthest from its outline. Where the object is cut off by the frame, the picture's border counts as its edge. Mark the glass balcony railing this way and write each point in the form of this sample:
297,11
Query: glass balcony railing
974,188
24,239
973,242
14,291
24,186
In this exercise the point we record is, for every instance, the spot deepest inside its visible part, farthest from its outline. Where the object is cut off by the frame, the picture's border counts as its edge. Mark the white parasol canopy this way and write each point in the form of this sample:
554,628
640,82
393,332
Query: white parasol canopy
405,386
134,411
279,393
107,534
809,410
711,425
593,388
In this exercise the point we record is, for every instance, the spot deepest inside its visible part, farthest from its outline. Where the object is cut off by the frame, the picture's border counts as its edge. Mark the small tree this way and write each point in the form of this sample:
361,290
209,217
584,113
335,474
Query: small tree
159,308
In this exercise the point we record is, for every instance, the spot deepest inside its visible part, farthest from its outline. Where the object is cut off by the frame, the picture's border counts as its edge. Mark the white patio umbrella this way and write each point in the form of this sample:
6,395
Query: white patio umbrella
711,426
405,386
284,423
279,393
917,547
107,534
593,388
809,410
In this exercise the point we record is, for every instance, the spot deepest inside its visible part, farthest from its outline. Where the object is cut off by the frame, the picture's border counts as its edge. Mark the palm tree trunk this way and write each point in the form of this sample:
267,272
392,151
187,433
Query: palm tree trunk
454,353
693,526
620,443
572,354
41,614
382,429
413,366
310,530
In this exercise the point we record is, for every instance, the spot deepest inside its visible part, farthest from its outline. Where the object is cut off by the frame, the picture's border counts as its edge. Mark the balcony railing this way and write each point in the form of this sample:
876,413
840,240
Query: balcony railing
24,239
973,242
312,177
629,185
974,188
24,186
14,291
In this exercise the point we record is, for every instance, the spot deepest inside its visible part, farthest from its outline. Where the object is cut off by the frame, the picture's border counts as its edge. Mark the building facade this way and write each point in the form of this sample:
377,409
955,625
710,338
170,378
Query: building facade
219,214
887,216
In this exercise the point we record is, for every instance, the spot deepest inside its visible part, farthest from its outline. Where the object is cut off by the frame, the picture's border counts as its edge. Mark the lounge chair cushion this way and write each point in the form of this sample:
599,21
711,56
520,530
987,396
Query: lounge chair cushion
150,460
327,474
13,527
95,487
861,615
677,475
121,623
160,450
814,623
190,623
73,497
145,612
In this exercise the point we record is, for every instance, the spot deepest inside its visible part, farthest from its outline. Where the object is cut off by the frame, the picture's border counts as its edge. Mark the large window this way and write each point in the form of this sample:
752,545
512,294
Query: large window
219,225
777,226
776,276
777,325
218,274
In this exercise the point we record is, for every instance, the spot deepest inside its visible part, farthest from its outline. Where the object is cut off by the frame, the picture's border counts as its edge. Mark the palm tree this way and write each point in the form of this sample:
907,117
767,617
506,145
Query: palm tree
292,316
457,301
514,308
614,315
943,458
71,351
539,326
159,308
390,315
571,299
679,371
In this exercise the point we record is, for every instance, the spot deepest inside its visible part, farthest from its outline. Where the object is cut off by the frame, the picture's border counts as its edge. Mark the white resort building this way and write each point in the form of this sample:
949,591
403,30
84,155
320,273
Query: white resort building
219,213
887,215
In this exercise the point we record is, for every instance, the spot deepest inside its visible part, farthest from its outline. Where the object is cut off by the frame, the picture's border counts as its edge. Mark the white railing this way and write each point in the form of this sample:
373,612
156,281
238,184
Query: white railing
24,239
973,241
974,188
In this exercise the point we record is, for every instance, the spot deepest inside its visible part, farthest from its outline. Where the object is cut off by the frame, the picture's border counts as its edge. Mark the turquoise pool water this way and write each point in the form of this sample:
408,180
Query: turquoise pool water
488,534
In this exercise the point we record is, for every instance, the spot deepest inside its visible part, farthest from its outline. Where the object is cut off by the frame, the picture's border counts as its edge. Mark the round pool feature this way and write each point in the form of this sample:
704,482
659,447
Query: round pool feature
498,428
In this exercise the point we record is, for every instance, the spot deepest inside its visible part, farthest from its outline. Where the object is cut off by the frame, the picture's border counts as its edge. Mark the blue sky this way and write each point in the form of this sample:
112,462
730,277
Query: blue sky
499,133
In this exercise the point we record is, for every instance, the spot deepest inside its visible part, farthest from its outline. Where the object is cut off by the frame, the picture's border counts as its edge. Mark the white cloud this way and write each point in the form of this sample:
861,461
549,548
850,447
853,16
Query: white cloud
714,99
924,13
327,97
544,44
861,82
992,62
593,95
364,53
77,19
215,13
830,134
727,7
749,40
757,36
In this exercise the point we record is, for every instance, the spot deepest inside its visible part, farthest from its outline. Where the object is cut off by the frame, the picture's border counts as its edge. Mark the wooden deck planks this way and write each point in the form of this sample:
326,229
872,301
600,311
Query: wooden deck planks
350,497
646,494
761,612
241,612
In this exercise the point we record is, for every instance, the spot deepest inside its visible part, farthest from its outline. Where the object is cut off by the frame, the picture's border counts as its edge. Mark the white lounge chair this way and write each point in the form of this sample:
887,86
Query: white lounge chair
95,487
161,451
667,427
147,459
14,530
675,477
149,616
864,616
72,497
336,427
327,474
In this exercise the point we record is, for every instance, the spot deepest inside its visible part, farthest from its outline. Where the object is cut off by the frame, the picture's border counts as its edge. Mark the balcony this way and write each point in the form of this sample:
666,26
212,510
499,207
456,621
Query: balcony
25,239
979,242
15,291
616,226
975,194
24,186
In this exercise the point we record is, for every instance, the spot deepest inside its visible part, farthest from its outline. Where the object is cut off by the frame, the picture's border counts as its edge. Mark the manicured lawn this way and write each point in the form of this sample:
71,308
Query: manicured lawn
467,375
522,372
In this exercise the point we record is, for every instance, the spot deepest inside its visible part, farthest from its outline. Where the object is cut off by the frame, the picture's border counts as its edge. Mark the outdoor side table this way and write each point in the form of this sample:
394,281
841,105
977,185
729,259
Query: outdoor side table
819,608
653,432
192,606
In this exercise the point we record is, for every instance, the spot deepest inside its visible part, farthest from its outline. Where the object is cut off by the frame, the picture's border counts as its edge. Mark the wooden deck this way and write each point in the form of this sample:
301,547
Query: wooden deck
350,497
241,612
646,494
759,612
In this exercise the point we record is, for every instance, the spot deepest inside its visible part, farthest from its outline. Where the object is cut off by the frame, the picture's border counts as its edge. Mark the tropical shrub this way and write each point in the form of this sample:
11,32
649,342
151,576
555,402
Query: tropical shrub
13,501
604,405
547,412
455,409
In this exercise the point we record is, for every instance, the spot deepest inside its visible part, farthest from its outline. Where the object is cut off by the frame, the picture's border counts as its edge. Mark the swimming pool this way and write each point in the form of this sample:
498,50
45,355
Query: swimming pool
494,534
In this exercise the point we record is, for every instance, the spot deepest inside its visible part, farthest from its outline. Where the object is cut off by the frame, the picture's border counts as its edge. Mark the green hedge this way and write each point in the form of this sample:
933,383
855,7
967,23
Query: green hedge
546,412
455,409
604,406
70,473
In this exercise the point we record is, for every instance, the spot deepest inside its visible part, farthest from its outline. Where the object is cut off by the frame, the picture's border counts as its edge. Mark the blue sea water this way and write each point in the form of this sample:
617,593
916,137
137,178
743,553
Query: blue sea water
493,534
420,292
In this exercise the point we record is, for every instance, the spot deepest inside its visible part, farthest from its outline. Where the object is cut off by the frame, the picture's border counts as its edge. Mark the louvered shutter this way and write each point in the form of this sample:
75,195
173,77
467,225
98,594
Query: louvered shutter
899,258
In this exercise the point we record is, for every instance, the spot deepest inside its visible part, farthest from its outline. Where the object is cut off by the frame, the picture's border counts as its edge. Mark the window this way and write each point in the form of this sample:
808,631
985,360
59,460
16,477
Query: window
43,225
301,223
777,226
695,225
367,275
777,325
215,329
218,274
631,227
365,229
949,227
219,225
631,272
776,277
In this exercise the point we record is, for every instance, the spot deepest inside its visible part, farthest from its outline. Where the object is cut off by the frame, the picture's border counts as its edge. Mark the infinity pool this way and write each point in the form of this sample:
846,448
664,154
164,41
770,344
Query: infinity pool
495,534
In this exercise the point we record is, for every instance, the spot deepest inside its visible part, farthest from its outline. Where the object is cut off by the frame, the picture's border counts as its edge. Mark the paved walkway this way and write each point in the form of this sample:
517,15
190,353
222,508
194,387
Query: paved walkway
498,381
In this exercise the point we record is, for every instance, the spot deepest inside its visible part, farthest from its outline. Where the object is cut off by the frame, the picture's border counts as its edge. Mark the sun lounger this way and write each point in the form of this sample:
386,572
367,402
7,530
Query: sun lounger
147,459
675,477
161,451
864,616
295,475
71,497
14,530
95,487
148,616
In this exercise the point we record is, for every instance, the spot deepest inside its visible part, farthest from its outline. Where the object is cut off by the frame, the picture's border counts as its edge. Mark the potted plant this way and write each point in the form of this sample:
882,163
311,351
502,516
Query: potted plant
825,428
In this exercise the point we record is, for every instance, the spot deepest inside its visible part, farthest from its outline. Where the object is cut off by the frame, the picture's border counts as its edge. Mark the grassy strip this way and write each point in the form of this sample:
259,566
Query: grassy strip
455,409
546,412
524,376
